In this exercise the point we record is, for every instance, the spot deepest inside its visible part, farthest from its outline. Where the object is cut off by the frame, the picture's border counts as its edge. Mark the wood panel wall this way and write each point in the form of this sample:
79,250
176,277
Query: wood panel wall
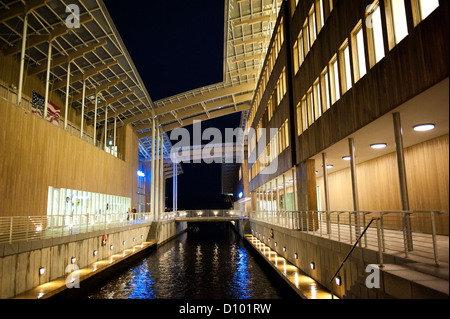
36,154
427,171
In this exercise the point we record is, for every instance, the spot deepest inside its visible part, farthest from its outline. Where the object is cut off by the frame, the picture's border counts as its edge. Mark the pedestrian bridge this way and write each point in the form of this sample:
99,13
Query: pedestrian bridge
204,215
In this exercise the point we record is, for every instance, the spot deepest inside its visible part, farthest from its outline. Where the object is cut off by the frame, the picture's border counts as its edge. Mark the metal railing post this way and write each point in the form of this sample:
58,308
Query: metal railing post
380,249
433,232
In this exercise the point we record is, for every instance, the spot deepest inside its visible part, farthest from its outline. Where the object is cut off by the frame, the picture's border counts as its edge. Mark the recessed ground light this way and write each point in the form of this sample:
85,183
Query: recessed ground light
423,127
346,158
378,146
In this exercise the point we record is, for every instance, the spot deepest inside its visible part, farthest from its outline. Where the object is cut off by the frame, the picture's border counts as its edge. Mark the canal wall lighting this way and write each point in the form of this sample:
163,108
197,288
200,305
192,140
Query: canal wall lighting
313,265
95,253
41,271
296,256
73,260
338,281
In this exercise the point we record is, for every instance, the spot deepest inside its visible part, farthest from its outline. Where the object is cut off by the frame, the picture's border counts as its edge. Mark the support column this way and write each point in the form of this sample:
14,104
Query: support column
174,186
307,195
95,117
67,96
326,191
294,193
115,134
161,174
351,148
22,59
82,108
157,176
402,179
47,78
106,127
152,189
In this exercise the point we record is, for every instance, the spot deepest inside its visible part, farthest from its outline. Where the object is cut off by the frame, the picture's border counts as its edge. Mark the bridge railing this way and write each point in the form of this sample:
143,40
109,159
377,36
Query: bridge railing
204,213
27,228
408,232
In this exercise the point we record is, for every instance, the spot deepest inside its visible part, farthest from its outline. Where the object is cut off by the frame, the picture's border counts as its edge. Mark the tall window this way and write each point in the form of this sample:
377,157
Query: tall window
320,15
375,33
325,86
317,100
312,25
301,49
299,119
423,8
344,59
296,57
310,100
359,55
306,37
304,114
334,80
396,20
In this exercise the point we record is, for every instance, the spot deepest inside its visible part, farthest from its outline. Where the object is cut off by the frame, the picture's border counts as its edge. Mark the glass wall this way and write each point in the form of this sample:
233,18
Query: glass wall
74,206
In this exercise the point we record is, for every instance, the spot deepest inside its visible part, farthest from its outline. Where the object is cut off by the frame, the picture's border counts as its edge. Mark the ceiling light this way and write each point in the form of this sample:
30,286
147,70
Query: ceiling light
378,146
330,166
346,158
423,127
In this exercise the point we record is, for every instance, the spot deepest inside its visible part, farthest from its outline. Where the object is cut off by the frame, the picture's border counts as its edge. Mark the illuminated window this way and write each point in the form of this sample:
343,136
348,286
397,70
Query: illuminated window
310,100
301,49
375,34
304,114
317,99
359,55
334,80
396,21
312,25
299,119
296,57
423,8
307,44
320,15
325,86
344,59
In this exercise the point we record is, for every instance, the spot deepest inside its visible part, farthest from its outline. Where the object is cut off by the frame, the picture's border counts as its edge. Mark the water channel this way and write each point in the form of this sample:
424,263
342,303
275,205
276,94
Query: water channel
209,262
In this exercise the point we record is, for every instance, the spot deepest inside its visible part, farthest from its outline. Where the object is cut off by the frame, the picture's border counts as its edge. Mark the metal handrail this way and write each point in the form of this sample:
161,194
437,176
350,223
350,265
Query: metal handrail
353,247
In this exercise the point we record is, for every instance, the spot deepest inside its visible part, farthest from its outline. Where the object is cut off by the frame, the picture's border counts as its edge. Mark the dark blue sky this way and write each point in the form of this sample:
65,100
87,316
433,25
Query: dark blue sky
177,46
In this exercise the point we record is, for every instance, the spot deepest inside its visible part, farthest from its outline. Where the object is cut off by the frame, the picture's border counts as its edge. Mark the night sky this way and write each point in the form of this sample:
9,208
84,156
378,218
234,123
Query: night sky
177,46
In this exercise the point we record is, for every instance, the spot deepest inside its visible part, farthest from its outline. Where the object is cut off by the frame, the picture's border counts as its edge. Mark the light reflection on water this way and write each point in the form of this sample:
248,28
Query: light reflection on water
210,264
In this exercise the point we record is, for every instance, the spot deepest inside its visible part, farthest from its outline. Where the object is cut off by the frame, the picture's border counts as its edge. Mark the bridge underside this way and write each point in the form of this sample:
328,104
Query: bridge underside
206,219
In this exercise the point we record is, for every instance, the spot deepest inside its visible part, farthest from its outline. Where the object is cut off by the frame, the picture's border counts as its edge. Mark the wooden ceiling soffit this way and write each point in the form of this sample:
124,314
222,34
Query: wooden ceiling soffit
99,89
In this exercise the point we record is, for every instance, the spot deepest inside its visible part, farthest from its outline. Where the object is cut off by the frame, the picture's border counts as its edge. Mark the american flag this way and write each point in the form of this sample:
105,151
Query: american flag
53,111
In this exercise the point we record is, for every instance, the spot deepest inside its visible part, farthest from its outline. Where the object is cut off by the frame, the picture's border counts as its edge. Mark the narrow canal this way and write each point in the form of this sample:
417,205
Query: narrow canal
212,262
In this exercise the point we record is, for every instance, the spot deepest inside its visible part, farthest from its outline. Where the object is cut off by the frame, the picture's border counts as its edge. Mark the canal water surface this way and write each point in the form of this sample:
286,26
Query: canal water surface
211,262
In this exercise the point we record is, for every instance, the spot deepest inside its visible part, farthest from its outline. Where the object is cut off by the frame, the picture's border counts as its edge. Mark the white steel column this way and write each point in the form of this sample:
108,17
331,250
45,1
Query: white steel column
114,138
95,117
67,95
106,127
82,108
285,195
325,186
152,181
294,189
47,78
22,59
174,186
157,175
161,173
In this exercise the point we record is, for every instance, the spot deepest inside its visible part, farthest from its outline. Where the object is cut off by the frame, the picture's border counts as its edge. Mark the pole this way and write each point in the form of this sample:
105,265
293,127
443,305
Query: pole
158,178
351,148
325,186
22,59
402,179
115,131
95,117
152,182
161,173
82,108
47,78
67,95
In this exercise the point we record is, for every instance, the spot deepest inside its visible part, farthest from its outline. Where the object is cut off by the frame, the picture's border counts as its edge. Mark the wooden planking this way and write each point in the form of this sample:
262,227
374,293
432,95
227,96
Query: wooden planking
37,154
378,185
